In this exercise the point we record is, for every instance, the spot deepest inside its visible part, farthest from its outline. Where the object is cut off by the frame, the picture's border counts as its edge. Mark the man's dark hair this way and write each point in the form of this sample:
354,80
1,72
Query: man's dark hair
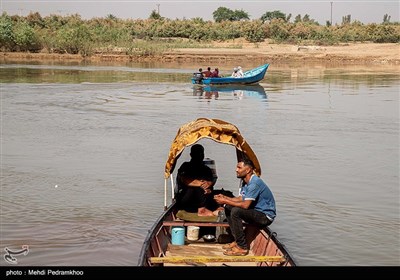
197,148
197,152
248,162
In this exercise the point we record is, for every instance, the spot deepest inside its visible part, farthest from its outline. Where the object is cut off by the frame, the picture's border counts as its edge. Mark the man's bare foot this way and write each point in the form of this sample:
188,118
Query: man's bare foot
204,212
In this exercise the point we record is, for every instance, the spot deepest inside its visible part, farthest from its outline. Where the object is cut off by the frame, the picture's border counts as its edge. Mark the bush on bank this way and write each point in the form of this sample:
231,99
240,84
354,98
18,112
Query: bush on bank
73,35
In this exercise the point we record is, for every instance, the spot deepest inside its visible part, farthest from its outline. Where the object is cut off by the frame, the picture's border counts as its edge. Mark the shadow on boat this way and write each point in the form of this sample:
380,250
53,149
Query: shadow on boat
237,91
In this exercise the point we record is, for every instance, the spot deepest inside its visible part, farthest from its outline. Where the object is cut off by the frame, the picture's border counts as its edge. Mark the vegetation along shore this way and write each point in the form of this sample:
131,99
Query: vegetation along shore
271,38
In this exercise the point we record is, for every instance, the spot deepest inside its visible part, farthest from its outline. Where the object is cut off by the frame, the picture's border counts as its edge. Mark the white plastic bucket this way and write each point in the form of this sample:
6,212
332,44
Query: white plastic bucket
193,233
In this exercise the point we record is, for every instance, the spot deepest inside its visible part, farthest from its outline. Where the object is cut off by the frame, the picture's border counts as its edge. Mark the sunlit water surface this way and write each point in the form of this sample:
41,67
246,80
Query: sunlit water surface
83,150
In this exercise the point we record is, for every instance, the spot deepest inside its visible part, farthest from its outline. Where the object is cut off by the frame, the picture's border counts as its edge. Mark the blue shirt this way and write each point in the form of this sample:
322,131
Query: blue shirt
262,196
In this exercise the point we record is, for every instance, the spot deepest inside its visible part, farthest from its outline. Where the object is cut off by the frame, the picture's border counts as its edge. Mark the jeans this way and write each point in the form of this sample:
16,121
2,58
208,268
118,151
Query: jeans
236,216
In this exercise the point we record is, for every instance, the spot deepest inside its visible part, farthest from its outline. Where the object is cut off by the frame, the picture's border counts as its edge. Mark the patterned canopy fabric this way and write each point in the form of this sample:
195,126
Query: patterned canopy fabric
215,129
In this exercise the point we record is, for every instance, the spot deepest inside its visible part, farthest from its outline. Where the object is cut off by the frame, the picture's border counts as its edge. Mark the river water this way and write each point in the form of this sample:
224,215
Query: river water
83,149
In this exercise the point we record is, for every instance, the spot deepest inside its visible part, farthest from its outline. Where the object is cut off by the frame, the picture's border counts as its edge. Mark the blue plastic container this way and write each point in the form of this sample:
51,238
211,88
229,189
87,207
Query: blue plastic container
178,235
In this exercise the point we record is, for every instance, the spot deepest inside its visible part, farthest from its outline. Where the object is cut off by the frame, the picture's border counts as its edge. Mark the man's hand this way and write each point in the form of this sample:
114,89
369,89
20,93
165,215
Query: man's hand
220,199
205,185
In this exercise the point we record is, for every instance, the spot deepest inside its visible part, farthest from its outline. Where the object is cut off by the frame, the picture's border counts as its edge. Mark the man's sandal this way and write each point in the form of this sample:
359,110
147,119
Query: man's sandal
236,251
229,246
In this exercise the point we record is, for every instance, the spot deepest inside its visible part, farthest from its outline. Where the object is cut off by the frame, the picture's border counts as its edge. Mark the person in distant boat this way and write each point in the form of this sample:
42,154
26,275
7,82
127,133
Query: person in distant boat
200,73
235,73
198,76
195,182
207,73
254,205
240,72
215,73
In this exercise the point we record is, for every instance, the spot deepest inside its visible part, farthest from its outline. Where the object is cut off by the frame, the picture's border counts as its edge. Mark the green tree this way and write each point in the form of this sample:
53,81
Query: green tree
225,14
25,37
278,30
35,19
268,16
298,19
222,13
346,19
111,17
386,18
240,15
74,38
6,32
307,19
155,15
253,31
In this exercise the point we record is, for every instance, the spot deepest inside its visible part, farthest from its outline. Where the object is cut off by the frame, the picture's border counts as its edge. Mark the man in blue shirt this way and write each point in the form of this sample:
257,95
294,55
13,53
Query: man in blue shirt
254,205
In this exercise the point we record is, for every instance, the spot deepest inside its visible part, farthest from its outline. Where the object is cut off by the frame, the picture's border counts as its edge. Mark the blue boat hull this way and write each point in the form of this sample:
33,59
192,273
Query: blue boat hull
252,76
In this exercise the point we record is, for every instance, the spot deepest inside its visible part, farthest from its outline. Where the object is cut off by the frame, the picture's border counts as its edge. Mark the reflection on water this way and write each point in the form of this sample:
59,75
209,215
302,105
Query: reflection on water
276,77
234,91
240,91
89,74
84,150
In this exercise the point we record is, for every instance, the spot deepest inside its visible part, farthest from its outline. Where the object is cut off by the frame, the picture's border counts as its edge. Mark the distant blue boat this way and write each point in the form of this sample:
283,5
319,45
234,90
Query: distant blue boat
252,76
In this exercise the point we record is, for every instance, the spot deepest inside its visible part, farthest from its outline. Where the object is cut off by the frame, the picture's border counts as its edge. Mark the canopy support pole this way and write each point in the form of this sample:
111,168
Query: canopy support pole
165,194
172,188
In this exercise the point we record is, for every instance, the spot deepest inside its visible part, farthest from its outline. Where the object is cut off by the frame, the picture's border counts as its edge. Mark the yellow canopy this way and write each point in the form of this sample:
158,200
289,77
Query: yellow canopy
217,130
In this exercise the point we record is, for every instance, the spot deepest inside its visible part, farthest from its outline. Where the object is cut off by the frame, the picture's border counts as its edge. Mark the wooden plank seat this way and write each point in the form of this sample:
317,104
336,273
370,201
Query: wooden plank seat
201,224
184,218
210,259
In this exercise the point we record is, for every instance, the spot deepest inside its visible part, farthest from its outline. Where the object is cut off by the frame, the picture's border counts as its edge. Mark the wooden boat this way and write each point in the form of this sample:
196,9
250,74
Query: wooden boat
159,248
251,76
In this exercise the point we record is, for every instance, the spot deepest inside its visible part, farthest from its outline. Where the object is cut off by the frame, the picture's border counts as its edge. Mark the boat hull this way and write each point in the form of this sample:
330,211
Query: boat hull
157,250
252,76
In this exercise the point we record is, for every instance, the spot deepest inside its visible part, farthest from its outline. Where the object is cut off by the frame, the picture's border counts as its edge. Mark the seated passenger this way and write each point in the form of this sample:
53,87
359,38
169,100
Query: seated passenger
240,72
195,183
207,73
235,73
215,73
198,77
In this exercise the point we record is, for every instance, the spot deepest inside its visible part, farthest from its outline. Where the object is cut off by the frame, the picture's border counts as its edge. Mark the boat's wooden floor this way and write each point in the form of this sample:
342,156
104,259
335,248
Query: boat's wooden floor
201,248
